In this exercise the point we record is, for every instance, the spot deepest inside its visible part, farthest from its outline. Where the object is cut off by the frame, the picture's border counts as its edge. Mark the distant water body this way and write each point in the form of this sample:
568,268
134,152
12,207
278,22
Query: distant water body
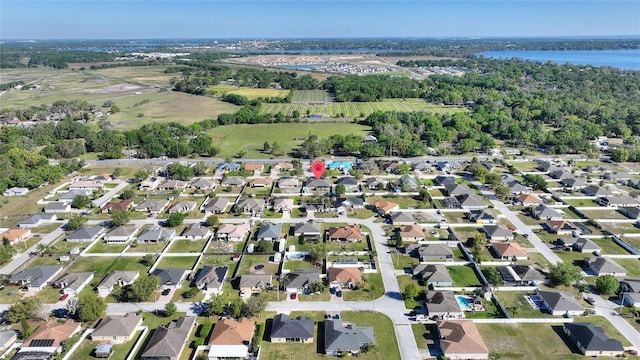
623,59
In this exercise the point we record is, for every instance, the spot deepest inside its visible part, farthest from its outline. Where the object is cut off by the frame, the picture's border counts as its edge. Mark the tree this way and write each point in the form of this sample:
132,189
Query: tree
340,189
147,260
492,275
212,220
607,284
80,201
170,309
128,194
276,149
25,329
236,307
264,246
318,252
180,172
174,219
119,217
141,289
24,308
535,181
254,306
563,274
76,222
216,305
241,153
411,290
115,109
266,147
116,173
192,292
140,175
91,307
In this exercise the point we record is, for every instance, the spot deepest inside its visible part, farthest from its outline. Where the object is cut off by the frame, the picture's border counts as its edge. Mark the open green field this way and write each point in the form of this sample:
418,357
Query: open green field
177,262
251,137
355,109
250,93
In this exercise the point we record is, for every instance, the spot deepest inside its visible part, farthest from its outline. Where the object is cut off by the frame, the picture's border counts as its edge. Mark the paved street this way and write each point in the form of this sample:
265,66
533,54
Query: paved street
22,258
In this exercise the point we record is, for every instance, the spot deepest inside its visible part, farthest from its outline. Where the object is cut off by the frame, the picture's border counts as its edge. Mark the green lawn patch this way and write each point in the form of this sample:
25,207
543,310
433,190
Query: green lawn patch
298,265
102,247
604,214
372,289
463,276
386,344
186,246
402,261
631,265
150,247
582,202
120,351
517,305
177,262
249,262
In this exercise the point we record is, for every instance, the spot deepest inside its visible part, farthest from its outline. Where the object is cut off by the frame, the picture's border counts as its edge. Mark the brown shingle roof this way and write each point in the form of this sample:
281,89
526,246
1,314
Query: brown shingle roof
232,332
410,231
53,330
385,205
460,337
345,232
529,198
510,249
253,167
345,275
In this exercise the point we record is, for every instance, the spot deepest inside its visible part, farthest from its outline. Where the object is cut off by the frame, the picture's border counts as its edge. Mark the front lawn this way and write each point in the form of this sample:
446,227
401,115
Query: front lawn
177,262
150,247
582,202
102,247
186,246
386,345
402,261
371,290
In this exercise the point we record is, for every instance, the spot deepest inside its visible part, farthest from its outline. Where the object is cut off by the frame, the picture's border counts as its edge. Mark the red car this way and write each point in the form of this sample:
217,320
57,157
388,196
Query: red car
294,296
631,352
64,297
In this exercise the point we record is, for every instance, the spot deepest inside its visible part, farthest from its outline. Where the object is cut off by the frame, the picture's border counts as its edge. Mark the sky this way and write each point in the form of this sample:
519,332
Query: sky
219,19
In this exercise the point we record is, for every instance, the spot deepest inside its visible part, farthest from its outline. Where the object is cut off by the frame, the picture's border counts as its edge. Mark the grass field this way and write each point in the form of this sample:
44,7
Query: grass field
252,137
177,262
356,109
310,96
250,93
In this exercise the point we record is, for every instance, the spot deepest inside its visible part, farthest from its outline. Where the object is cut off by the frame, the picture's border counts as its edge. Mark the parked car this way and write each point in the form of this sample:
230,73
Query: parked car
294,296
590,311
631,352
166,292
332,290
339,293
64,297
590,300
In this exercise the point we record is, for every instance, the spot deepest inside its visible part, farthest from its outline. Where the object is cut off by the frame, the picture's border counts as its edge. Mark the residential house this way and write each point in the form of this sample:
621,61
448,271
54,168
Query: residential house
256,169
71,194
231,339
54,207
560,303
282,166
545,212
509,251
232,232
482,216
546,165
413,232
498,233
168,341
340,338
36,278
617,201
118,206
170,185
348,277
604,266
561,227
150,184
16,191
37,220
617,176
283,204
232,181
351,233
385,207
573,183
308,230
260,182
211,278
521,274
466,201
375,183
170,278
14,236
317,184
350,183
196,231
431,252
251,206
630,212
448,165
560,174
432,274
629,292
117,329
454,189
73,283
225,167
591,340
254,283
203,184
630,299
423,167
118,277
271,232
299,281
401,218
585,246
183,207
287,330
121,234
460,339
216,205
408,183
442,304
7,338
86,234
596,191
152,206
514,184
156,233
527,200
287,182
51,335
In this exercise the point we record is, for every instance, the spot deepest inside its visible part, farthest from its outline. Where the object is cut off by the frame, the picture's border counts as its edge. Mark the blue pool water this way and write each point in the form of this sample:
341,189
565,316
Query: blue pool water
295,256
465,302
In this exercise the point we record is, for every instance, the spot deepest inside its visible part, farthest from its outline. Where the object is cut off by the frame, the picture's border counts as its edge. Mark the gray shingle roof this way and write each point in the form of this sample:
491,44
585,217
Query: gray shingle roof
86,232
270,231
211,276
168,340
117,325
560,300
36,276
592,337
285,327
442,302
345,338
169,276
604,265
307,228
299,280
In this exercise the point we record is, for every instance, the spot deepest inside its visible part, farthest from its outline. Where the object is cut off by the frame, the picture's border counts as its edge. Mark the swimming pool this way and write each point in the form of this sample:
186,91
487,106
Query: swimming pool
465,302
295,256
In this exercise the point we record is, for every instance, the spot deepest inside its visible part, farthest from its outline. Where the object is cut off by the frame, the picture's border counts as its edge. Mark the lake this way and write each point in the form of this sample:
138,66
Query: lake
623,59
